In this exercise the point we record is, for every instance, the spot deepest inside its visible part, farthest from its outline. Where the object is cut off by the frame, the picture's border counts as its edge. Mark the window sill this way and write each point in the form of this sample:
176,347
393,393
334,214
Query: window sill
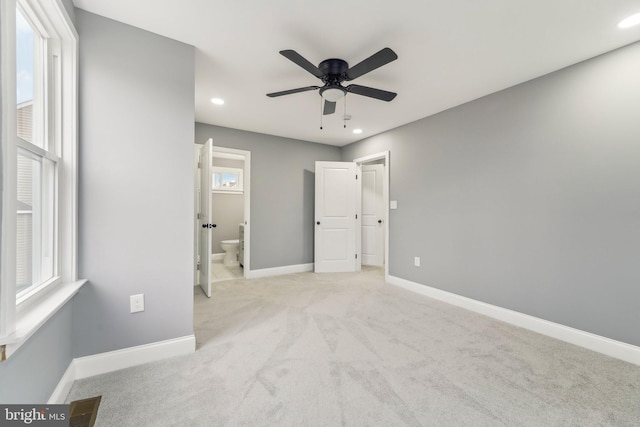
227,192
35,314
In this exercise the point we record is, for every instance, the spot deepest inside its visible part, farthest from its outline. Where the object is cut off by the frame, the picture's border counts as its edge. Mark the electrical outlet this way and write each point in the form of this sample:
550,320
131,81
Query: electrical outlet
416,261
137,303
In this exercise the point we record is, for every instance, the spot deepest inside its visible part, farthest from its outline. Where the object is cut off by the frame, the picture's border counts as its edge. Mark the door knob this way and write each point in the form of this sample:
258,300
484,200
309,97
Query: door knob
209,225
318,222
379,221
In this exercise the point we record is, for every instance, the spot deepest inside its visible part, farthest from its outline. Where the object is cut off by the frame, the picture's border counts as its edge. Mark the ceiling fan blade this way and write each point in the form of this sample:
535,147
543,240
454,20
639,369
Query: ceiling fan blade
329,107
382,95
290,91
296,58
376,60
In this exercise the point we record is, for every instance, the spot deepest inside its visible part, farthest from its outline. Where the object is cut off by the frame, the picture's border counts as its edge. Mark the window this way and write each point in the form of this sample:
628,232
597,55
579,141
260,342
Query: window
227,180
39,109
37,157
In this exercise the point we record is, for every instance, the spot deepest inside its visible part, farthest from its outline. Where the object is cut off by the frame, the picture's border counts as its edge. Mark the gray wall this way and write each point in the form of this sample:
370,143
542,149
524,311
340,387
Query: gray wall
529,198
227,210
136,186
282,192
32,373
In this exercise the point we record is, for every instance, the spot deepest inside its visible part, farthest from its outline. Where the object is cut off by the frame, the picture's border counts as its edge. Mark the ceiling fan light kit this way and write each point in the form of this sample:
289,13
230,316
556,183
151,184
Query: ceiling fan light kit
332,94
334,71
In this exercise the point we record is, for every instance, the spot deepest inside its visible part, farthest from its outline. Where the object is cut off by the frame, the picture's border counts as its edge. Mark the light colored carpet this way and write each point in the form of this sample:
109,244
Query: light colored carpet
347,349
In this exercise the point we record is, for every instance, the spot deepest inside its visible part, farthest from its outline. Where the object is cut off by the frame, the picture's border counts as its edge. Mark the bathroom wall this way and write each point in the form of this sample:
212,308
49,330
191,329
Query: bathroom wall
227,210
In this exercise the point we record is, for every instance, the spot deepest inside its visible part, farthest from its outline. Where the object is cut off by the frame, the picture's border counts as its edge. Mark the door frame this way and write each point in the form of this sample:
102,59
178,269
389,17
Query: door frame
246,183
247,207
385,155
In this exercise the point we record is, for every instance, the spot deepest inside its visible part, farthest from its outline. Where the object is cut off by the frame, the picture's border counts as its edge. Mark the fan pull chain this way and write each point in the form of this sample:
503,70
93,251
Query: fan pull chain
321,102
344,116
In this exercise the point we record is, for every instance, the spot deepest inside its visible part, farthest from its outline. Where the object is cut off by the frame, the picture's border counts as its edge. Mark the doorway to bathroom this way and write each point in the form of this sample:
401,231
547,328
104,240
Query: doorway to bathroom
228,210
222,214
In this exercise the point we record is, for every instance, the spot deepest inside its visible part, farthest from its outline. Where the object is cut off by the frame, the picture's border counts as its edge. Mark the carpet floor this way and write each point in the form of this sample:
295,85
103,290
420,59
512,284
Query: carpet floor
346,349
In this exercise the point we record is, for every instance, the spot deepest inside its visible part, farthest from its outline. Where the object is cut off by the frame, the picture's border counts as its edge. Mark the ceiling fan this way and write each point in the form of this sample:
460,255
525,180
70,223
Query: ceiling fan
334,71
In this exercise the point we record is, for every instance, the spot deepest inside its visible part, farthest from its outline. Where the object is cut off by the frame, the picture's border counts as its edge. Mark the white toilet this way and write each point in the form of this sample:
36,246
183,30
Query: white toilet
230,248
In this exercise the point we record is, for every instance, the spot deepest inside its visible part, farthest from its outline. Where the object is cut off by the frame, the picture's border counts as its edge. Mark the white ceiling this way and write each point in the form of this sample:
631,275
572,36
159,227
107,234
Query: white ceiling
450,52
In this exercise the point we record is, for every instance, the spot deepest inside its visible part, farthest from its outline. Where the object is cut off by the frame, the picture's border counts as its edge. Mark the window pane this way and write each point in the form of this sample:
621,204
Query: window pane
35,221
25,78
229,180
28,174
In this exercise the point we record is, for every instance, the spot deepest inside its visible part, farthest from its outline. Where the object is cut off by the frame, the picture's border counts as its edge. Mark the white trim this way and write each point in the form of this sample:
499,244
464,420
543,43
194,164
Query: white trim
279,271
217,257
619,350
9,166
88,366
59,395
385,196
110,361
34,313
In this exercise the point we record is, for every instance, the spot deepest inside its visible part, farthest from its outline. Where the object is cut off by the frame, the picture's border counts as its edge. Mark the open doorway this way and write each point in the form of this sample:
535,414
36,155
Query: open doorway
227,210
222,223
374,210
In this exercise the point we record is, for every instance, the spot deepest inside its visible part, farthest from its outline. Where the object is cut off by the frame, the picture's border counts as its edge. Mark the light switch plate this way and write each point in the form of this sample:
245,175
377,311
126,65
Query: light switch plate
393,204
137,303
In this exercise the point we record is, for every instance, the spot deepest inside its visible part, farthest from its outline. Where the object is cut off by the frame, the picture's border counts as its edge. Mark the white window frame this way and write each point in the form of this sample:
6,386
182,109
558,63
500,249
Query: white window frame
239,189
19,319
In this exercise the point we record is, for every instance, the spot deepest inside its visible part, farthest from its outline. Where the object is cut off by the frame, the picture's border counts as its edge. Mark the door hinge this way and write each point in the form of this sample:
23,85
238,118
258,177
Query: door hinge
198,216
356,256
198,266
199,165
356,216
356,177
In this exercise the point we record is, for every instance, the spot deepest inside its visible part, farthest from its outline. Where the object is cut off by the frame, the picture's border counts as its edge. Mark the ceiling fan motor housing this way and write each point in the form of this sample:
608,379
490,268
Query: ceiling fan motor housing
334,73
333,70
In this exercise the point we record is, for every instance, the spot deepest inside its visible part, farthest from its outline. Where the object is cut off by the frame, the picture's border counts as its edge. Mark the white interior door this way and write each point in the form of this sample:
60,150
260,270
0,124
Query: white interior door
372,215
337,205
204,222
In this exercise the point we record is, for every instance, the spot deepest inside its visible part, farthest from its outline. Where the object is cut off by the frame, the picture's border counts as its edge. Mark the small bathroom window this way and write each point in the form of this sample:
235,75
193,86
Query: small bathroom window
227,180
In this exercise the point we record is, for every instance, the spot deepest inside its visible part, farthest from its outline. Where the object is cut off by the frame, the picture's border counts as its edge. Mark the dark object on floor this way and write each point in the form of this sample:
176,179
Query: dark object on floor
83,413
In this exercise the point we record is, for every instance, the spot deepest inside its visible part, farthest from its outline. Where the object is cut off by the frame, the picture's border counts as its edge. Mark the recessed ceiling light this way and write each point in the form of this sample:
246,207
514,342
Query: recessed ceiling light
630,21
217,101
357,131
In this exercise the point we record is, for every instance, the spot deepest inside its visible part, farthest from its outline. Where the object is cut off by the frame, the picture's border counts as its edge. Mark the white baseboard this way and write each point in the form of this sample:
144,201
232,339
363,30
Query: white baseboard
217,257
88,366
97,364
279,271
61,392
619,350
